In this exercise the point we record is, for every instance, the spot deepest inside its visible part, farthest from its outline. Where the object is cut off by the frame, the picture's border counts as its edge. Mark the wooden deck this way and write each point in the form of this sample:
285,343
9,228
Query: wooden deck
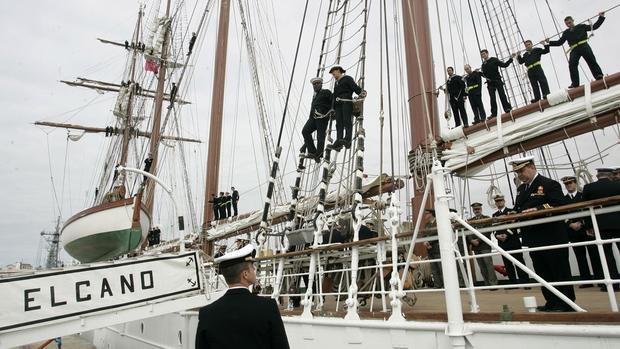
431,307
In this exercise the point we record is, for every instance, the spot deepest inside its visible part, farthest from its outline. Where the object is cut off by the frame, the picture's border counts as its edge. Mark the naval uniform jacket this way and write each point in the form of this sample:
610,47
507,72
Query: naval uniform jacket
577,33
512,241
542,193
532,57
490,70
603,188
240,320
456,87
575,235
345,87
321,104
474,83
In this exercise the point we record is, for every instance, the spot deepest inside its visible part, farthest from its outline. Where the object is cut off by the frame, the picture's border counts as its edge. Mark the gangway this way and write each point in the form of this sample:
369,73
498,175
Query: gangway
48,304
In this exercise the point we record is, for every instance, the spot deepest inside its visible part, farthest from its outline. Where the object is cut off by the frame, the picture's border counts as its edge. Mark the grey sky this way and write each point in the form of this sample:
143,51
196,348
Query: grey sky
49,41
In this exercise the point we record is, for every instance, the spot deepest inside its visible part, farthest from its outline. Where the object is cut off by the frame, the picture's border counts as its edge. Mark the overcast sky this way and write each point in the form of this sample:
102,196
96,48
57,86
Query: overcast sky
47,41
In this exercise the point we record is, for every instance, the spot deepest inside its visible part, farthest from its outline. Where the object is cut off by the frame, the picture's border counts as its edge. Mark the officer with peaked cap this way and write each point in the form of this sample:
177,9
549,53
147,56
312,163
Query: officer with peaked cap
239,319
538,192
317,121
576,230
608,224
479,247
508,239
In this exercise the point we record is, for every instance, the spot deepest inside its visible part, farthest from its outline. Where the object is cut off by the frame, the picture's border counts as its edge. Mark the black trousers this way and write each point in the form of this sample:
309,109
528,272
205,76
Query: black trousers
539,83
499,88
609,256
216,213
511,269
228,209
475,100
320,126
458,110
552,265
234,204
222,214
585,51
581,254
344,121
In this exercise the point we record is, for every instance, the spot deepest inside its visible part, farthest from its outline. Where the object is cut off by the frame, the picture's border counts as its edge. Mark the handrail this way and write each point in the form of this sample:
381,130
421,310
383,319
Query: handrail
475,223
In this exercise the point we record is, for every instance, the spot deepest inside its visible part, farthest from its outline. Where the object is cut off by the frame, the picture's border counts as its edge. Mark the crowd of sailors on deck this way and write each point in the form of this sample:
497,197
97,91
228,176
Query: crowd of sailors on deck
225,205
537,192
460,88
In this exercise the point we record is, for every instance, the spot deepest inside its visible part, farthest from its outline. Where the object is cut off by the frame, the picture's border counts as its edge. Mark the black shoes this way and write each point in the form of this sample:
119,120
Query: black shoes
586,286
534,100
339,143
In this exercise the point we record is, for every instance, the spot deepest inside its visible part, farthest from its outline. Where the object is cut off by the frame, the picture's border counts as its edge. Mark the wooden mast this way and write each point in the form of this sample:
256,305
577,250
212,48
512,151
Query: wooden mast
126,133
418,51
159,100
217,107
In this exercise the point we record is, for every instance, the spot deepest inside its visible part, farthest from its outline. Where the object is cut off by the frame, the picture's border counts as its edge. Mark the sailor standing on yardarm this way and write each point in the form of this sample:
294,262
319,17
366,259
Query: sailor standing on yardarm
490,70
531,60
474,93
577,38
457,95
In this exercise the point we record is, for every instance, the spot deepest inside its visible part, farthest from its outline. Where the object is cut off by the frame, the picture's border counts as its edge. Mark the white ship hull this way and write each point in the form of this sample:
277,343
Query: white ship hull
104,232
179,330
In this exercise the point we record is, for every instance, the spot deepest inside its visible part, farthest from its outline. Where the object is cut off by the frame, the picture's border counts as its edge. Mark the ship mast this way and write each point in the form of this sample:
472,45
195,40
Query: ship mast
217,107
159,99
420,77
126,134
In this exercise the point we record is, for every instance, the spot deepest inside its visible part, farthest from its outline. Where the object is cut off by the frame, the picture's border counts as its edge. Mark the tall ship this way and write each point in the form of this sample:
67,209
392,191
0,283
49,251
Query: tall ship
374,243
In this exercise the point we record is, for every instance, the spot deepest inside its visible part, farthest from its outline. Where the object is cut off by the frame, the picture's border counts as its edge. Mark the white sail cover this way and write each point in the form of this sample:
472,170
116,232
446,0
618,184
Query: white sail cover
530,126
121,108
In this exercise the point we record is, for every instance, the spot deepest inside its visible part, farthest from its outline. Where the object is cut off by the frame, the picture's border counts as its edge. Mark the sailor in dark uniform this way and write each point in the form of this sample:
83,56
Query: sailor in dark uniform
608,224
222,205
479,247
240,320
577,38
474,93
538,193
531,60
215,201
576,231
490,70
508,240
318,120
235,200
457,95
343,89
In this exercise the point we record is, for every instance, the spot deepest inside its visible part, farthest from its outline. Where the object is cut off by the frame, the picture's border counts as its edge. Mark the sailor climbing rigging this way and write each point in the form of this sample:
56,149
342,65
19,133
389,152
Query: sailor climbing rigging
577,38
320,112
343,107
531,60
